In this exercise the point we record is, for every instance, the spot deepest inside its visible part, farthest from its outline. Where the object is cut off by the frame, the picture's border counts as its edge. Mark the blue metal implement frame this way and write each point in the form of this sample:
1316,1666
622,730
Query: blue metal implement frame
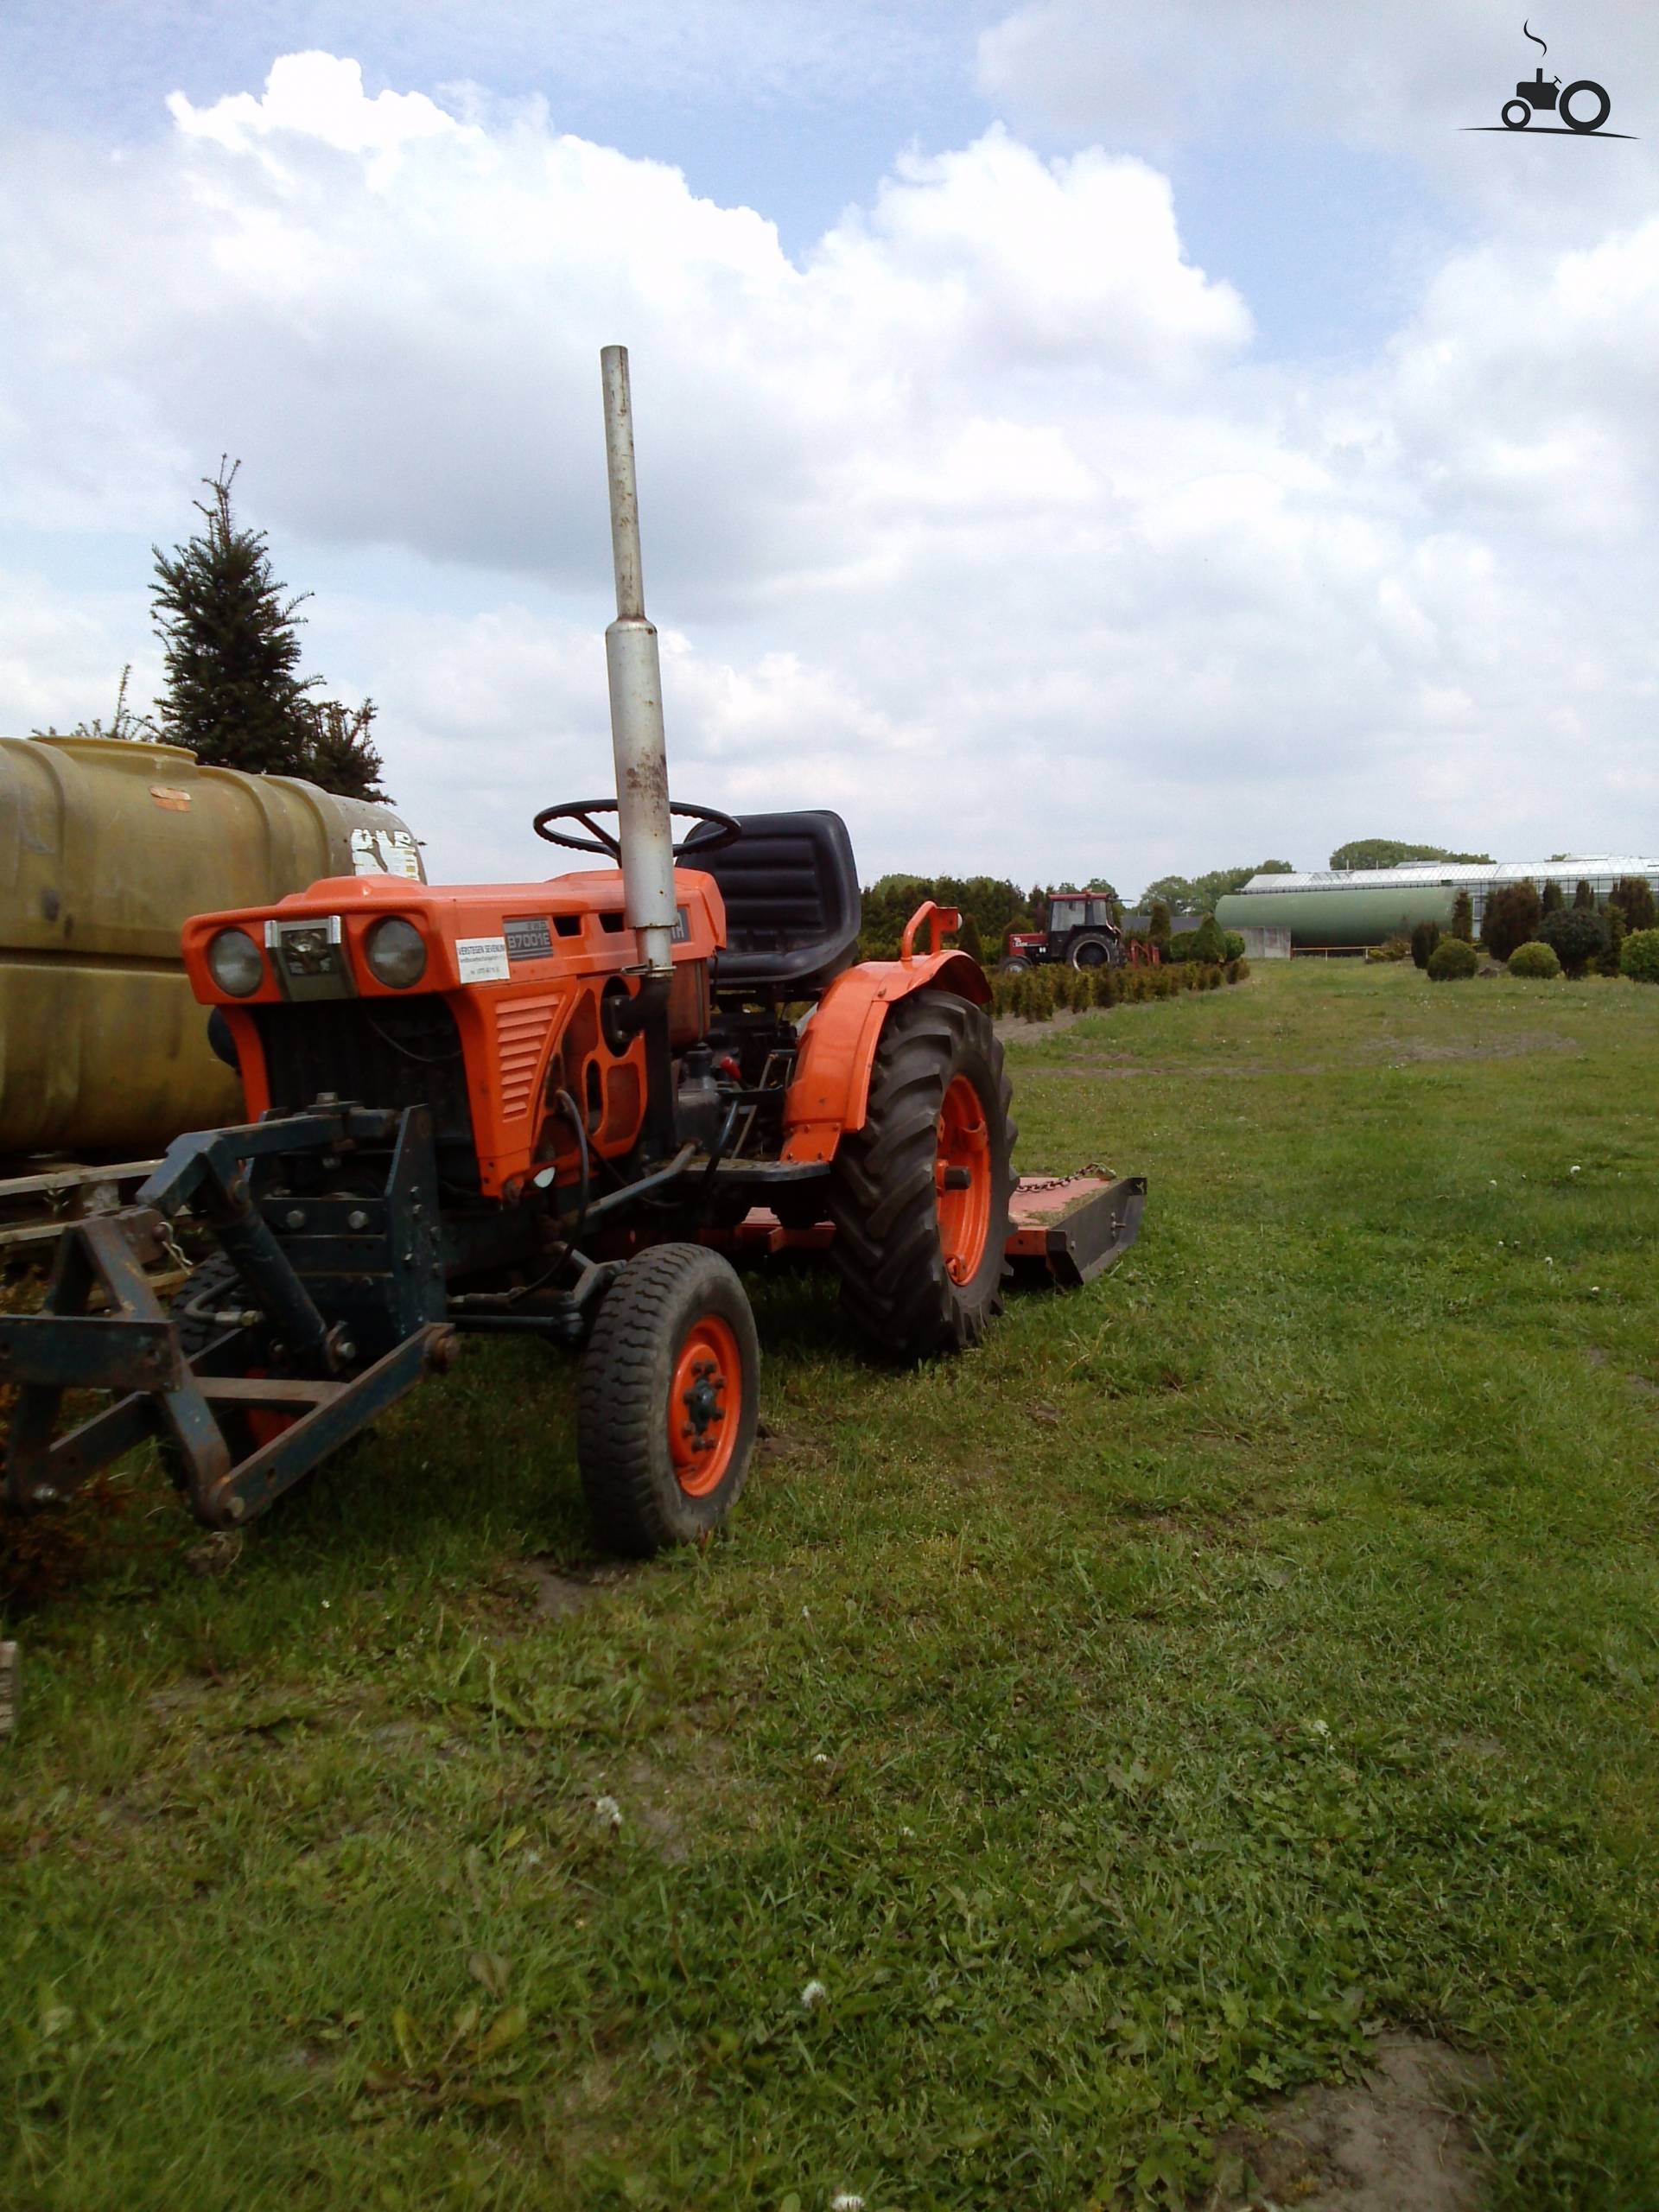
381,1256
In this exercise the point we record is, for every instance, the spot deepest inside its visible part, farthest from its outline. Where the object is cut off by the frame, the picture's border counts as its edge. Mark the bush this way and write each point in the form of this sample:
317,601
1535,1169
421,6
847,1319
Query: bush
1513,914
1453,961
1392,948
1553,901
1584,897
1536,961
1640,956
1575,936
1424,939
1463,918
1232,945
1208,944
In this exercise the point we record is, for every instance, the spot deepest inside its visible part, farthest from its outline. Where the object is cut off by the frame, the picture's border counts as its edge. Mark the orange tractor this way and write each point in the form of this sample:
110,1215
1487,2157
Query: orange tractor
573,1108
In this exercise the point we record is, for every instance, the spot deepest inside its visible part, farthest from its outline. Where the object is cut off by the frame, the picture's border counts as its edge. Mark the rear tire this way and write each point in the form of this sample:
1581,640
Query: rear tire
1603,106
669,1398
921,1264
1091,952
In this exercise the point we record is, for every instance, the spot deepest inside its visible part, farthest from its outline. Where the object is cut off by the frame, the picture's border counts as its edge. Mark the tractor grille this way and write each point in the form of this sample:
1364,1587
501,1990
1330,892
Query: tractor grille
392,1053
521,1027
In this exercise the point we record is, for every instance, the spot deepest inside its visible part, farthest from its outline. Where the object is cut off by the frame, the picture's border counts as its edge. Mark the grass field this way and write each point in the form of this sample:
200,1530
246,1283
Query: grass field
1122,1726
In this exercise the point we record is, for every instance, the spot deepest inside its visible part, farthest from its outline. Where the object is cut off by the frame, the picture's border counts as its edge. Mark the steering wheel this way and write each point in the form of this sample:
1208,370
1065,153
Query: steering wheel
728,828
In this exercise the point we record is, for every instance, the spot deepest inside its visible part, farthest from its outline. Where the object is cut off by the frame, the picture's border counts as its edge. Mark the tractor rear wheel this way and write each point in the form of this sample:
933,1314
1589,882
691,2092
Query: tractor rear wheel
669,1398
1091,952
919,1195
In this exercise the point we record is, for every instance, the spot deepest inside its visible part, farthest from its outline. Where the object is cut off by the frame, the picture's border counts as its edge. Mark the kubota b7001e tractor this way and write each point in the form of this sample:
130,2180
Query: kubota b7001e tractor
573,1108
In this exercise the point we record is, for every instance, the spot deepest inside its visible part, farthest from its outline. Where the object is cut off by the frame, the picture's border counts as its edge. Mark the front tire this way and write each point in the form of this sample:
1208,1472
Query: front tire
920,1194
669,1398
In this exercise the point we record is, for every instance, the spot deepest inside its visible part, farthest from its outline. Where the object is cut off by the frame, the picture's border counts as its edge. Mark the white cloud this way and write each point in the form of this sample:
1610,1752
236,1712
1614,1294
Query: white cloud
981,522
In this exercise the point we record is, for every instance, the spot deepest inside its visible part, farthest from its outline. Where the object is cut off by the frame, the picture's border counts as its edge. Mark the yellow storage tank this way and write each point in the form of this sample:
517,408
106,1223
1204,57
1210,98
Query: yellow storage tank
107,847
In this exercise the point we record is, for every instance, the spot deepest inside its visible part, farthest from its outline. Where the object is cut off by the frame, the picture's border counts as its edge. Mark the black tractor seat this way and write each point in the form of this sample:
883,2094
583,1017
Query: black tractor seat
792,911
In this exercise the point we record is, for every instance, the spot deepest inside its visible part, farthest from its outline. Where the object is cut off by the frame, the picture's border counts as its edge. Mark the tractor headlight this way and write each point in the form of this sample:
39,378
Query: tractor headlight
396,952
236,963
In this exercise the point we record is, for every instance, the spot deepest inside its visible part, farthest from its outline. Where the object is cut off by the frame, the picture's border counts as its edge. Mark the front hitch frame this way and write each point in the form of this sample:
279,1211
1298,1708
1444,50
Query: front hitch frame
131,1347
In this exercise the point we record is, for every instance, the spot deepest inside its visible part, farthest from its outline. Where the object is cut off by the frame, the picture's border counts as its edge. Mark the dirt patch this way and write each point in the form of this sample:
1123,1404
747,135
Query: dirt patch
554,1594
1639,1386
1394,2142
188,1694
215,1554
1392,1052
773,1444
1398,1052
1015,1029
667,1800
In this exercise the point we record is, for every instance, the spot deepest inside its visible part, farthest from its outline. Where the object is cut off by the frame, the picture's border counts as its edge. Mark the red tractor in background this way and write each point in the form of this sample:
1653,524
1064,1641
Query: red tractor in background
568,1109
1083,932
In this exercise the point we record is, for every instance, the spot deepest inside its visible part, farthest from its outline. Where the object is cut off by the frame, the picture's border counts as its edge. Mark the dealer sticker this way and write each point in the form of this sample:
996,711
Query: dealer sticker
482,959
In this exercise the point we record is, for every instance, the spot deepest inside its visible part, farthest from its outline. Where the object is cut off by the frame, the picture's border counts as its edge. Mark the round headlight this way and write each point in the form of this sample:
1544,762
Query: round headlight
236,963
396,952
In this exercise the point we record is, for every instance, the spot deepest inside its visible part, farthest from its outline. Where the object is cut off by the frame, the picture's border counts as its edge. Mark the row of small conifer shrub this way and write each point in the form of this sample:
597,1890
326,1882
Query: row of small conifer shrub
1040,993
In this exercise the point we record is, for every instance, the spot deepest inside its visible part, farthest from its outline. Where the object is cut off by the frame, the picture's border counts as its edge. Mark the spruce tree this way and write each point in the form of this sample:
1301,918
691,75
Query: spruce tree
339,756
1584,898
231,642
234,693
1552,901
1634,894
1463,917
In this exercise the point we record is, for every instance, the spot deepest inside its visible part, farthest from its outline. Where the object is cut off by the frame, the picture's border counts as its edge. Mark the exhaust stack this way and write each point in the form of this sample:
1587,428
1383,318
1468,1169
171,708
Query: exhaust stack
643,827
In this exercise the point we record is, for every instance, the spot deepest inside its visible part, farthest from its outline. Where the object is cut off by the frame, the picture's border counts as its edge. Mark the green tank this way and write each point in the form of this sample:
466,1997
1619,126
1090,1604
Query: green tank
106,848
1340,920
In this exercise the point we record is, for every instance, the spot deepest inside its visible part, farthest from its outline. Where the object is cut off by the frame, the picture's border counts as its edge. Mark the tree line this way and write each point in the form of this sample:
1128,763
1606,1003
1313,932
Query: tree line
991,906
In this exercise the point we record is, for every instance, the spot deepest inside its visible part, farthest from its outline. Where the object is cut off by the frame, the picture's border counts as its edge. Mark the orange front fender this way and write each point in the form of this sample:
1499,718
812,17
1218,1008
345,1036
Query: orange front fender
831,1087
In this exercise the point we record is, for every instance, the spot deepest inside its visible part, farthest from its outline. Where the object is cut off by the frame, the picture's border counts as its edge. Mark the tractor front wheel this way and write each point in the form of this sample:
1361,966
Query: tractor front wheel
920,1194
669,1398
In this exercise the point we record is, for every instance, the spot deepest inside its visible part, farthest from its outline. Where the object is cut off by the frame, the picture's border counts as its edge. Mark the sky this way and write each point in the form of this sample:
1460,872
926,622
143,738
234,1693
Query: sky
1075,441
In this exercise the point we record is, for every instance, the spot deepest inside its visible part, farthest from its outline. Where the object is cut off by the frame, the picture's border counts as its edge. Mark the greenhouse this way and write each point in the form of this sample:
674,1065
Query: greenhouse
1344,910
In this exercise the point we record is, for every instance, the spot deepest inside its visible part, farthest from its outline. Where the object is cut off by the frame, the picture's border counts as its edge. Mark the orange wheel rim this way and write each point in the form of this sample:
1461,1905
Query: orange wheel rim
961,1179
705,1407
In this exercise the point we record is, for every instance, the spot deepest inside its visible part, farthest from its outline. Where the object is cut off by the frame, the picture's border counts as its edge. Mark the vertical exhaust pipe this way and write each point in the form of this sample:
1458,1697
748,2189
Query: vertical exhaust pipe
644,830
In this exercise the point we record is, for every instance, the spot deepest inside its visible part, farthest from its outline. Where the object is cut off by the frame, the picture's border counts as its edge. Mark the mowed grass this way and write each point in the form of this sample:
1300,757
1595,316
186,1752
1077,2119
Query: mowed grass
1122,1724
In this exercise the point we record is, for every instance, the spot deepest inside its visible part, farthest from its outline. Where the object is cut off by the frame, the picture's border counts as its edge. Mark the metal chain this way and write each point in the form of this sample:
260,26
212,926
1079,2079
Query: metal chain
1058,1182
